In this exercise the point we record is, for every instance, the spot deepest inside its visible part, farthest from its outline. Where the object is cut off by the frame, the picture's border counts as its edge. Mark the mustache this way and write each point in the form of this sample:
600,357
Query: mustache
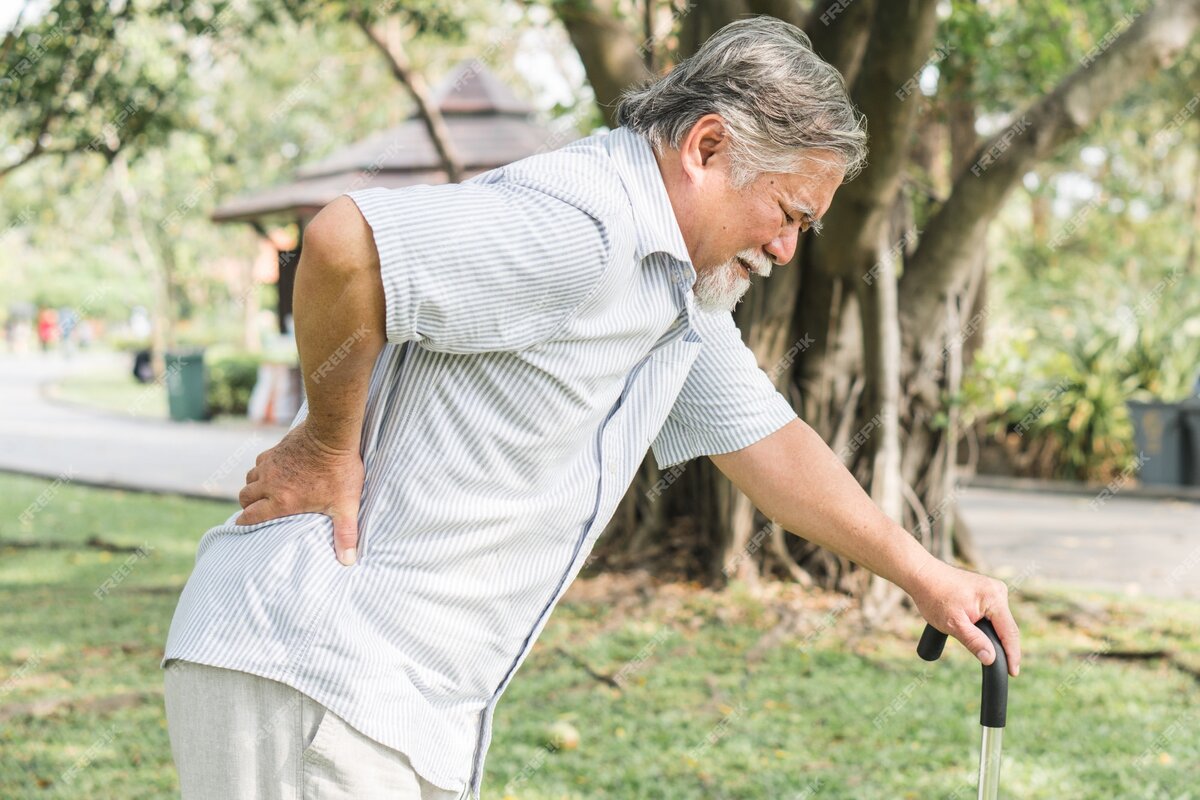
756,259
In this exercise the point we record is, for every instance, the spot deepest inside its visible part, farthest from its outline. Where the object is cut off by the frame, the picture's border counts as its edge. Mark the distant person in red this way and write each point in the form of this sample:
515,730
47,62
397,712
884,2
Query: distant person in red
47,327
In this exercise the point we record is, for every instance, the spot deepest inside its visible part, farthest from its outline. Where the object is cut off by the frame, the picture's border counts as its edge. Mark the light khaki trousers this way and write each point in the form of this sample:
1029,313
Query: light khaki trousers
238,736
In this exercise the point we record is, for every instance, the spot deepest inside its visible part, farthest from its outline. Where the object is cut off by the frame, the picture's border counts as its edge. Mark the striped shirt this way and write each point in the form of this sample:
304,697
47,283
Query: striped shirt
542,335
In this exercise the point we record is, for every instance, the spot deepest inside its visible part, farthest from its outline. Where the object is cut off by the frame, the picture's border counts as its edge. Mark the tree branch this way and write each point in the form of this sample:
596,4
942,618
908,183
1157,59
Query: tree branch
1150,44
429,113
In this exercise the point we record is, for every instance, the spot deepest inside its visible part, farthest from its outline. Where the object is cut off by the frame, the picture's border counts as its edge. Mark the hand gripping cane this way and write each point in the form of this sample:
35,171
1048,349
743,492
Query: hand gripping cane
993,704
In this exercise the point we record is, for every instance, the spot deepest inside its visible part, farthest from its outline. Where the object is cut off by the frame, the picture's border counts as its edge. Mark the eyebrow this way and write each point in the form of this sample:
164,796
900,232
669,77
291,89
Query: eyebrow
804,210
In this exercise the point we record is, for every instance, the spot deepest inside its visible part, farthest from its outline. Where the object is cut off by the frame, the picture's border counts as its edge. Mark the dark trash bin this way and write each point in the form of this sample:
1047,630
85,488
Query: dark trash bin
143,370
1159,435
186,384
1190,411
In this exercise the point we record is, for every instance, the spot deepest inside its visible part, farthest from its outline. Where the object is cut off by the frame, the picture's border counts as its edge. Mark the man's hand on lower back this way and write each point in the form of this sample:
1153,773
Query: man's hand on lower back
303,474
953,600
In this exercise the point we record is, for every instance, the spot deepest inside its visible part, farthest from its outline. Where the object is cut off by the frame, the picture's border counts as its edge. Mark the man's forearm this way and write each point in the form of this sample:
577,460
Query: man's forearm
796,480
339,320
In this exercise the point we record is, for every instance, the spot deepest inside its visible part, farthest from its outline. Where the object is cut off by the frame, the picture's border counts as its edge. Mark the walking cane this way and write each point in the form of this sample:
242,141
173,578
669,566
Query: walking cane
993,705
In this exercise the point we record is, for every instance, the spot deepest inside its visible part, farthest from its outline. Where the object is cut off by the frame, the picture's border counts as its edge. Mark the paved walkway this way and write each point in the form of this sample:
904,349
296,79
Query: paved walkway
1127,544
55,439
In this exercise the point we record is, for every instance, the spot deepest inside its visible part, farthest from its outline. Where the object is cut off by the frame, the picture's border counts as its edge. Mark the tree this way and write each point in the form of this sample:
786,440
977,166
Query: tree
870,327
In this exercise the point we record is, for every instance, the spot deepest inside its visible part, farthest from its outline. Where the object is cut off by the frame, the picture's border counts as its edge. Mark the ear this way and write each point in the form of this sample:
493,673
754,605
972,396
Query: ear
705,148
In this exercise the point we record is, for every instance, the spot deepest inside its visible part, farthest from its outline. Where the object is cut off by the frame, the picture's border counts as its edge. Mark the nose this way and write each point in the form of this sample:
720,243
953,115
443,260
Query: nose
783,247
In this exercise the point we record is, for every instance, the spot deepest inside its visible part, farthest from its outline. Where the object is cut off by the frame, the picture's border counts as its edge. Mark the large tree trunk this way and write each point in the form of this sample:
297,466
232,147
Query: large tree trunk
881,353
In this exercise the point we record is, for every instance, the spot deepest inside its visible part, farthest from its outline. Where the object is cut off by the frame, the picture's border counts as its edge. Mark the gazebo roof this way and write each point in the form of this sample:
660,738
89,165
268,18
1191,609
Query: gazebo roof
488,125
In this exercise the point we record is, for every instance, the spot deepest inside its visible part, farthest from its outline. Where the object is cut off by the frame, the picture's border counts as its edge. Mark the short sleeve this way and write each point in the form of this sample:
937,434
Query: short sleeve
476,267
727,401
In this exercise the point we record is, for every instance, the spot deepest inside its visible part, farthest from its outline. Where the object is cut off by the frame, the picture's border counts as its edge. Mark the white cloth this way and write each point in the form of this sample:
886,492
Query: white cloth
236,736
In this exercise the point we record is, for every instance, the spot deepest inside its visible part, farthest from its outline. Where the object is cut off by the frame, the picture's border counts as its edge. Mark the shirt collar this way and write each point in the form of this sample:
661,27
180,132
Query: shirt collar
653,216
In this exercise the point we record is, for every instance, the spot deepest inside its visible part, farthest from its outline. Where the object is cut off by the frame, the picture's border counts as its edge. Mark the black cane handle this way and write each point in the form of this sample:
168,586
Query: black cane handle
993,705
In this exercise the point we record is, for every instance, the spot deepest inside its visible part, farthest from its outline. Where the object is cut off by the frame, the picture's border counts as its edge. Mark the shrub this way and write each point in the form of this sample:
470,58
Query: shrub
231,379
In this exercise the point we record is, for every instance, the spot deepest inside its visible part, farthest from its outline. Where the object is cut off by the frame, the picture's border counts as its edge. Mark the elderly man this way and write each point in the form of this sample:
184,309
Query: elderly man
486,366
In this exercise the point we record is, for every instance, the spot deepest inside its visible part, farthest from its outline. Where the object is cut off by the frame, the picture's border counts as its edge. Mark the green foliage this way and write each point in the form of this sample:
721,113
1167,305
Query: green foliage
100,76
1061,383
231,379
1093,303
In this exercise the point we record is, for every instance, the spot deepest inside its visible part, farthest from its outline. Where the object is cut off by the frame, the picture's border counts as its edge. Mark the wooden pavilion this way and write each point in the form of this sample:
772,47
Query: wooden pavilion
486,123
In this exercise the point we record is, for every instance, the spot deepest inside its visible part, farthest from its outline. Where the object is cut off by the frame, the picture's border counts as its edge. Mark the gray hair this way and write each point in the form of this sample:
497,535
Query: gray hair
775,94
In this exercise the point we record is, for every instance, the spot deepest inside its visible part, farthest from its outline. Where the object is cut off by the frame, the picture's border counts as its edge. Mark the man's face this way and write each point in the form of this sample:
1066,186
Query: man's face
757,226
733,233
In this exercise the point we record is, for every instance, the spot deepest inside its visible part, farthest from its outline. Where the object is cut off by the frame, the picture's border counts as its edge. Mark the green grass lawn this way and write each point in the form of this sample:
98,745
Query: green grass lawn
723,696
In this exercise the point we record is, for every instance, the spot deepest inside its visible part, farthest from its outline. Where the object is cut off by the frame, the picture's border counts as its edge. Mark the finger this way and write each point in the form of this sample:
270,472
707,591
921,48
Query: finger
258,511
973,639
251,493
1010,637
345,535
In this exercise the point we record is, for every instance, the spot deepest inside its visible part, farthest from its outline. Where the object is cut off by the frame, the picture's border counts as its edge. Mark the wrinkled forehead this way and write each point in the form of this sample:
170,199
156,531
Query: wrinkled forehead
810,187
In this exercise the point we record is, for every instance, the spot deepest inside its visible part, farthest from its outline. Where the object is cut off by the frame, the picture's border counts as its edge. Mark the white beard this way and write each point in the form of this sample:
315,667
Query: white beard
721,288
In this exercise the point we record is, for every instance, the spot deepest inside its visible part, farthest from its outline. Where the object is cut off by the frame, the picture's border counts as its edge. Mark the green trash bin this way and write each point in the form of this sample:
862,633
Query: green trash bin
186,384
1159,435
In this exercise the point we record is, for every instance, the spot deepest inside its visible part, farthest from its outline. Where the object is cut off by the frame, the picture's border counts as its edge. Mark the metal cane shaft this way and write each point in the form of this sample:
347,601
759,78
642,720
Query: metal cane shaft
989,763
